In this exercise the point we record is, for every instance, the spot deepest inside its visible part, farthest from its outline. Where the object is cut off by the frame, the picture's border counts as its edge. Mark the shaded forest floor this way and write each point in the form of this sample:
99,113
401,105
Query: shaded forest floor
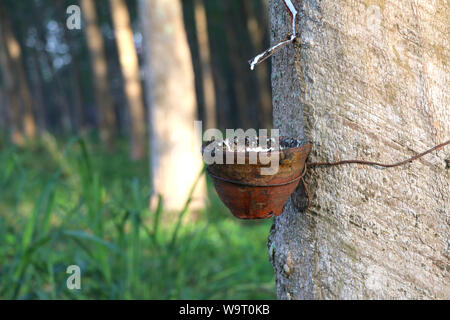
68,202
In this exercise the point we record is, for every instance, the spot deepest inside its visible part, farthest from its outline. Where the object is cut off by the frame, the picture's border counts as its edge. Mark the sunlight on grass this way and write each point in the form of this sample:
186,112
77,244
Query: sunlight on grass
61,203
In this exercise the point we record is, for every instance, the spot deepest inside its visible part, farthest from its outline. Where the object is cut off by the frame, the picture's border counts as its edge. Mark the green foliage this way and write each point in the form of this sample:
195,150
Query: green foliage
77,206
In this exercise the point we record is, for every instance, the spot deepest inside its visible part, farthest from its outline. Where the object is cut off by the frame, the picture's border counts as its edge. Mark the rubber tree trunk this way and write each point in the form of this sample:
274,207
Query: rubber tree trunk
130,71
370,78
174,150
100,71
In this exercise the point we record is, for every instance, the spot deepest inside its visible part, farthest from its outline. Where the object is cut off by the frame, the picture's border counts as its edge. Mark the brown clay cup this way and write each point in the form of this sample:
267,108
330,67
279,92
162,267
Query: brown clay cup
250,195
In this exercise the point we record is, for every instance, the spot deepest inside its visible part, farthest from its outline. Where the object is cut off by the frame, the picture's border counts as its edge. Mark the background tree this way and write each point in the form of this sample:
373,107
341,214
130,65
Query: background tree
100,71
209,93
374,88
59,96
130,71
175,152
10,102
257,29
20,88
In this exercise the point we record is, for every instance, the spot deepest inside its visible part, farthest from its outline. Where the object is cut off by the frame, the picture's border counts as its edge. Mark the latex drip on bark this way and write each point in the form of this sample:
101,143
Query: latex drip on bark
290,38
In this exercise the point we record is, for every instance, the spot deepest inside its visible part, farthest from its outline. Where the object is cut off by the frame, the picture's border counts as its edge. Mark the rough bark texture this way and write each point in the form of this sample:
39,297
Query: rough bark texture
371,78
174,150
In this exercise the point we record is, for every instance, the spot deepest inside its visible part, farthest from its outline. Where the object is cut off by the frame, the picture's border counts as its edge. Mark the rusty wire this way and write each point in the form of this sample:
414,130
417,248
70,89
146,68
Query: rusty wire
384,165
370,163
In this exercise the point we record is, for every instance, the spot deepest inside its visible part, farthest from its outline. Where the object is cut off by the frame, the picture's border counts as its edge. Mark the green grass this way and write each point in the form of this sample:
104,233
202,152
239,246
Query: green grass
70,202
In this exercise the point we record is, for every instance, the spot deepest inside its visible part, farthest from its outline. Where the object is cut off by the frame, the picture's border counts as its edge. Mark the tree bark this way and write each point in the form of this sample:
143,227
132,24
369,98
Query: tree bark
130,70
100,71
371,79
174,150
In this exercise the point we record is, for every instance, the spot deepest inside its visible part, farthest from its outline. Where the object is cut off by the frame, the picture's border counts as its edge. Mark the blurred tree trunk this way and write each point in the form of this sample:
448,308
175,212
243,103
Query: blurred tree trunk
77,93
58,94
174,150
4,99
3,108
227,112
100,72
209,92
77,115
257,31
29,123
20,91
38,91
130,71
7,88
370,78
240,70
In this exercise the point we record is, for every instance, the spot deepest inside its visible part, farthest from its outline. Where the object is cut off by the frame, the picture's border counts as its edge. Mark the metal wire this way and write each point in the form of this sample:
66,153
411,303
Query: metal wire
384,165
